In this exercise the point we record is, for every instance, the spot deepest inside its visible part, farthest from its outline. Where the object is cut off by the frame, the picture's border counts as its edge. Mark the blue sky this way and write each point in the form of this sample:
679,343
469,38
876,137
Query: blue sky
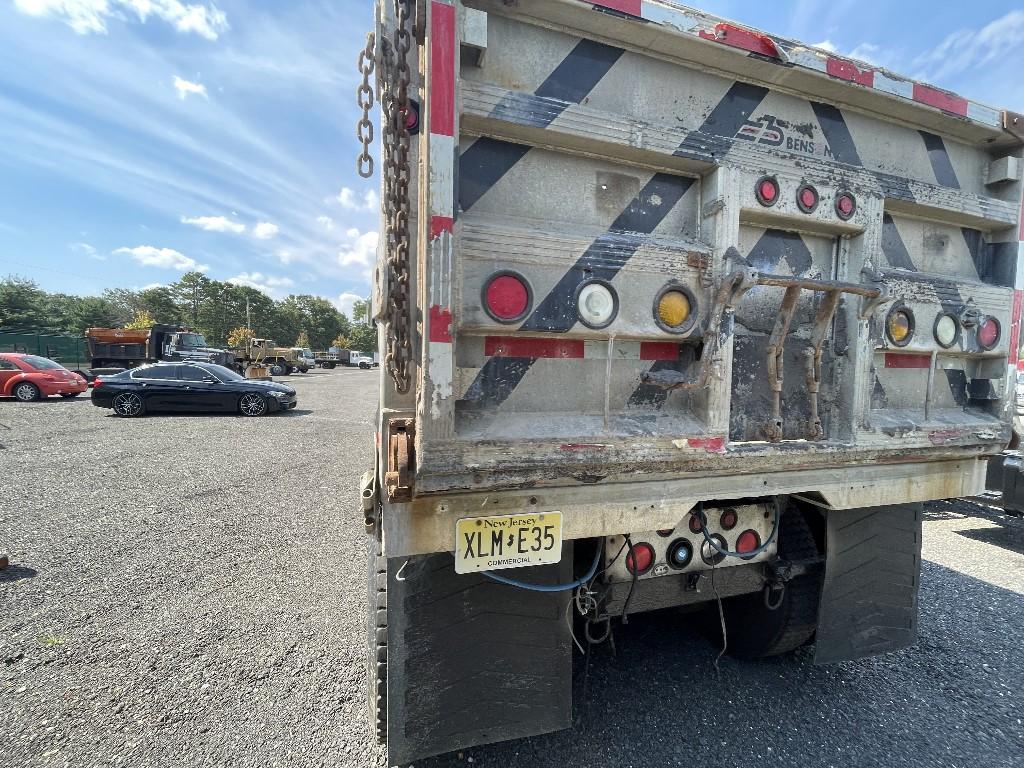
143,138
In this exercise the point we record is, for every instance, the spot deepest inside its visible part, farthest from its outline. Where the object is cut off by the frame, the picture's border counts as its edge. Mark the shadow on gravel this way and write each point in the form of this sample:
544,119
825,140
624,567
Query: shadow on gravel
14,573
658,701
1009,536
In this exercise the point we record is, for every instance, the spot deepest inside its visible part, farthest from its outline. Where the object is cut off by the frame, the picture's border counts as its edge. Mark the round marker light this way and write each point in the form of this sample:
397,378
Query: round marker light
988,332
507,297
695,525
596,304
900,327
846,205
640,559
747,542
946,331
674,310
767,191
807,199
680,554
728,519
709,554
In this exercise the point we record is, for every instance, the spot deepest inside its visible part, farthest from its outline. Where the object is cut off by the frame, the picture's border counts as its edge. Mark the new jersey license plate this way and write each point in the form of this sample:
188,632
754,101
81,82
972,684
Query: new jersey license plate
507,541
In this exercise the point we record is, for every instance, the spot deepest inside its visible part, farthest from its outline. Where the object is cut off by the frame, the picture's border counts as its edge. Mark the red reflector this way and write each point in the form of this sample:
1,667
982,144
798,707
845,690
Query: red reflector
665,532
748,542
807,197
696,526
507,298
640,558
845,206
767,191
728,519
988,332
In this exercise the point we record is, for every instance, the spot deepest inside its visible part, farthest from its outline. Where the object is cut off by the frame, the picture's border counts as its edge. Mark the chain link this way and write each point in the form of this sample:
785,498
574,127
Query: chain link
364,98
397,178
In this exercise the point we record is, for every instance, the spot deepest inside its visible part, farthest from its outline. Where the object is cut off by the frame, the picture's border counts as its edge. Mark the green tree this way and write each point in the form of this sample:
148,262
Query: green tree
22,303
124,300
303,340
363,338
190,294
159,302
360,311
141,322
94,312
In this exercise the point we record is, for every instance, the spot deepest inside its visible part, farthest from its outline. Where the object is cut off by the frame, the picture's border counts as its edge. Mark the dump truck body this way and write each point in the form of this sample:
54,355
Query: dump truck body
673,282
128,348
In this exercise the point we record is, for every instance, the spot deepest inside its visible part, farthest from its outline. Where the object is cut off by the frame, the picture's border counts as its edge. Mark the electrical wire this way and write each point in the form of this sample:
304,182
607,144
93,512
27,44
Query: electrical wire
549,587
632,584
728,553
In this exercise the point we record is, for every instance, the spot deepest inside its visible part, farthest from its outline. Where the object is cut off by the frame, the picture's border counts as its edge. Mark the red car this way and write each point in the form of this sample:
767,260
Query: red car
30,377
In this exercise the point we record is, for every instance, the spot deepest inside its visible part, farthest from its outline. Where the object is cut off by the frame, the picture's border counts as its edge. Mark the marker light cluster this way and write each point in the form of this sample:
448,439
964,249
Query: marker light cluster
767,192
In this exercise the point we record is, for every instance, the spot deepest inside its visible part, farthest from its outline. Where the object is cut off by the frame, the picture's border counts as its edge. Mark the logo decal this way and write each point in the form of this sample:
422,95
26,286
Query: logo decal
770,131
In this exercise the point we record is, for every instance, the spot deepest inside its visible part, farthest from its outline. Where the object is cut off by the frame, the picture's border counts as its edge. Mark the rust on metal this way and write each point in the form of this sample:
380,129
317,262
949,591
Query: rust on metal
401,454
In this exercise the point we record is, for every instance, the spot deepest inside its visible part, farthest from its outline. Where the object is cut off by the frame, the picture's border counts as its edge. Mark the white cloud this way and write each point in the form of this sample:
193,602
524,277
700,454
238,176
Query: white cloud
214,224
185,87
361,248
827,45
164,258
326,222
87,250
968,49
90,16
346,300
348,200
269,284
265,230
285,256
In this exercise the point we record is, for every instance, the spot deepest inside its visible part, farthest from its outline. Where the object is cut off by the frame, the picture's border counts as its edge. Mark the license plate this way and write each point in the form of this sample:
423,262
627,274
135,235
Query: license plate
507,541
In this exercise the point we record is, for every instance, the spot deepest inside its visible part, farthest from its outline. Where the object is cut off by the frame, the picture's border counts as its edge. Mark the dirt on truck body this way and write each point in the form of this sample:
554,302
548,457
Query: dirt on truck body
664,303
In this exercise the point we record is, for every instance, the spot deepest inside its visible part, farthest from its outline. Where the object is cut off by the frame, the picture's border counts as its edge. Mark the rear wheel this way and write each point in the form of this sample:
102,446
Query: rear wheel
252,404
278,369
27,392
756,629
129,405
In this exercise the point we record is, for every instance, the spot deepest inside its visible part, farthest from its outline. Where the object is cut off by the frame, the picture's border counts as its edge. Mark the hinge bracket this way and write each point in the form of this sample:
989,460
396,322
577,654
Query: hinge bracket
401,460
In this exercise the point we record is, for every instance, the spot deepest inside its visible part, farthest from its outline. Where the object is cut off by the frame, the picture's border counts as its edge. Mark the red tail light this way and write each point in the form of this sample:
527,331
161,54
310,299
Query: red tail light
988,333
97,383
807,198
728,519
640,559
747,542
695,524
507,297
846,205
767,191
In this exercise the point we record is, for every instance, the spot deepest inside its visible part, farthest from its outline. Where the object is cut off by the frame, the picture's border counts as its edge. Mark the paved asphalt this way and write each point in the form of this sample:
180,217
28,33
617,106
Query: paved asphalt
189,590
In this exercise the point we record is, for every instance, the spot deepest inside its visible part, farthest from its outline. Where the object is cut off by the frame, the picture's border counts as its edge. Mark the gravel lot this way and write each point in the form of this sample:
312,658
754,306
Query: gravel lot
178,598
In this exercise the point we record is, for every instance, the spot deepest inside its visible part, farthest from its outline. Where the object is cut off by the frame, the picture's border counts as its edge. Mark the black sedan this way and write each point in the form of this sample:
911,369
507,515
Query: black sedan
189,387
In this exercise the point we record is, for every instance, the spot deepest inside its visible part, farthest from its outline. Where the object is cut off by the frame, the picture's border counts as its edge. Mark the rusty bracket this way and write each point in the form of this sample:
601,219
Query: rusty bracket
776,346
822,323
401,460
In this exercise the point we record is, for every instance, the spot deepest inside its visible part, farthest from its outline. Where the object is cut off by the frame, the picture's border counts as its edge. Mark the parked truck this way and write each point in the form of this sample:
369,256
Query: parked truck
698,313
120,348
264,354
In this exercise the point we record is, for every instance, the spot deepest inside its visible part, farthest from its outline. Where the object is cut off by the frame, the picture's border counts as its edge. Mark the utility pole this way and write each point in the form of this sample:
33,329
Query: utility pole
248,318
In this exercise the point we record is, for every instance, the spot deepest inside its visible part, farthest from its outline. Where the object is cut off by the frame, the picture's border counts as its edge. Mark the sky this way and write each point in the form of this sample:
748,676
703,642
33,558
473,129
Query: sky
140,139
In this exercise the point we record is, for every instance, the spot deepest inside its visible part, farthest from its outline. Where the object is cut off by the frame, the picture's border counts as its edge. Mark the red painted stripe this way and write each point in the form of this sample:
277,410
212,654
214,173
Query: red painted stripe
747,40
1022,222
905,360
1018,300
659,350
709,444
847,70
439,224
440,324
632,7
944,100
442,69
509,346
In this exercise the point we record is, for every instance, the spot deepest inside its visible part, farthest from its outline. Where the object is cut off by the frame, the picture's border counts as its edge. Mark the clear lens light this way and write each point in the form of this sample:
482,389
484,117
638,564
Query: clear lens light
596,304
674,308
945,331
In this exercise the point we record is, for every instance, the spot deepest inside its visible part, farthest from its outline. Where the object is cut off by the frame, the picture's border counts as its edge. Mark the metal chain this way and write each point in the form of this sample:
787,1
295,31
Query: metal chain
364,98
397,178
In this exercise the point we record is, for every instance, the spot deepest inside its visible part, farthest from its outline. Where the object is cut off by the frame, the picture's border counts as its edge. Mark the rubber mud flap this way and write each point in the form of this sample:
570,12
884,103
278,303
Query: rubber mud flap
471,661
872,577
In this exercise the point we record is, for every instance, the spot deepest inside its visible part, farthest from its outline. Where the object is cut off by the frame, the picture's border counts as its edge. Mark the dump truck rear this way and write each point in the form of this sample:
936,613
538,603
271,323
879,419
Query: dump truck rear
671,312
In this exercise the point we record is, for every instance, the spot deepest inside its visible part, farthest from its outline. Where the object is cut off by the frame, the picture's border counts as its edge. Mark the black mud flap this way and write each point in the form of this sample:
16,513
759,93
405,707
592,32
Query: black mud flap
872,575
1006,476
471,661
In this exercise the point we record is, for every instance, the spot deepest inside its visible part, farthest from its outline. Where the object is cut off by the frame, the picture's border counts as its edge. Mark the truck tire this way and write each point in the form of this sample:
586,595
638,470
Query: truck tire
753,630
278,369
377,639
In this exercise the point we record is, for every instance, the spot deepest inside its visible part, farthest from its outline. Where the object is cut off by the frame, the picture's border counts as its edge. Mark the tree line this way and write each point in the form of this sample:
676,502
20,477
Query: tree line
211,307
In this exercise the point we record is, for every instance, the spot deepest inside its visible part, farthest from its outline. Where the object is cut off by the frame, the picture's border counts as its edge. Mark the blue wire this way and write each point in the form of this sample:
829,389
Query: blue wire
548,587
744,555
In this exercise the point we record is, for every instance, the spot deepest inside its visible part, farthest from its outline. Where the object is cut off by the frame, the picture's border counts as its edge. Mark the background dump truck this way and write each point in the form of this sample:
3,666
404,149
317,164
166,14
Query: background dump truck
120,348
670,311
